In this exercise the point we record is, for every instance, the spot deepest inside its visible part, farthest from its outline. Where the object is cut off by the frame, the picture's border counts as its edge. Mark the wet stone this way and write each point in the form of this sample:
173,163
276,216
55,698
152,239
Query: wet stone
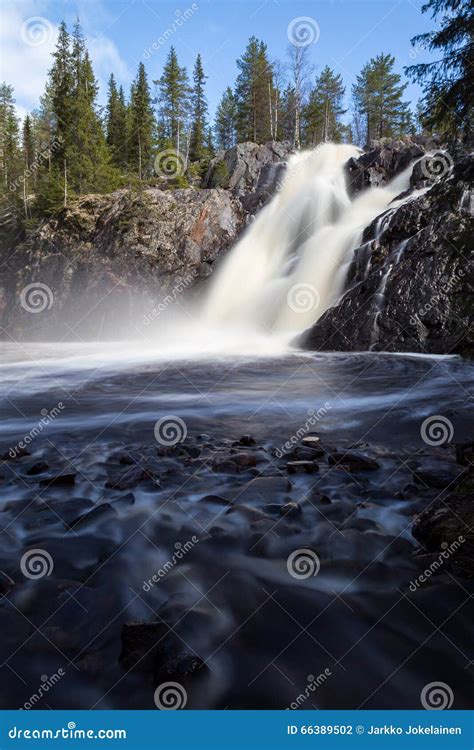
97,514
6,583
291,509
354,460
37,468
302,467
65,479
247,440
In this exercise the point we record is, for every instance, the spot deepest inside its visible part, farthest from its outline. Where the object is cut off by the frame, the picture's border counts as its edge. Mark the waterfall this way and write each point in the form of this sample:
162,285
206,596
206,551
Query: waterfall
291,264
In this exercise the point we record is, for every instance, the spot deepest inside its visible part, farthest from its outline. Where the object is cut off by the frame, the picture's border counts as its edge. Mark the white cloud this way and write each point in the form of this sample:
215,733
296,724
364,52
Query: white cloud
28,36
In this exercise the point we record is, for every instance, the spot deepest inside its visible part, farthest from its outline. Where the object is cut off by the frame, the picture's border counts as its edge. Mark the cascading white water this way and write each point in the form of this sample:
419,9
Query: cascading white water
291,264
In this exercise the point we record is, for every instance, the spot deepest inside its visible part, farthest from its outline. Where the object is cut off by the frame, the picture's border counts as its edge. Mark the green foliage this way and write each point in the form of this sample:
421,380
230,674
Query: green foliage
173,102
377,96
141,126
448,82
116,125
253,93
220,177
225,124
198,148
322,115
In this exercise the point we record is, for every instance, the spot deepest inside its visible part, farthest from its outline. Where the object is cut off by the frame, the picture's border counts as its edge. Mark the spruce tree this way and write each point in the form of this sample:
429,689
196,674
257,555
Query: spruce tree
11,189
10,159
116,124
322,115
448,81
173,101
225,124
199,126
142,126
253,94
88,158
377,96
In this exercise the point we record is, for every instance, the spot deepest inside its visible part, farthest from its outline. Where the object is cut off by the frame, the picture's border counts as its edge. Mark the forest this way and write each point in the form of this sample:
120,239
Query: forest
70,146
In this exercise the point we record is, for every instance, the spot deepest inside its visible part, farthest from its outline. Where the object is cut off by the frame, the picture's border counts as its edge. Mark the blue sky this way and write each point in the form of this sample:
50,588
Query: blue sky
121,33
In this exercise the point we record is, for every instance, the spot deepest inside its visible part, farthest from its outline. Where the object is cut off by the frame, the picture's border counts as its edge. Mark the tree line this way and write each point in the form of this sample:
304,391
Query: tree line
70,146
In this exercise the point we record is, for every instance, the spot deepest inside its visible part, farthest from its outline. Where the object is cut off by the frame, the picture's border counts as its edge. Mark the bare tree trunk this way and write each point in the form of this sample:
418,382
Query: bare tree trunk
65,183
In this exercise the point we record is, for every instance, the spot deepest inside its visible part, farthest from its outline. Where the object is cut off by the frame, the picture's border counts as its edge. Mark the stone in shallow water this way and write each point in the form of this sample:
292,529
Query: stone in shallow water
127,479
311,441
97,514
64,479
290,509
6,583
215,499
247,440
302,467
354,460
37,468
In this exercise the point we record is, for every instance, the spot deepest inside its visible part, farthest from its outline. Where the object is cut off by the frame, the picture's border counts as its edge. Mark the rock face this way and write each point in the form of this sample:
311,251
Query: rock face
410,287
250,171
382,163
121,251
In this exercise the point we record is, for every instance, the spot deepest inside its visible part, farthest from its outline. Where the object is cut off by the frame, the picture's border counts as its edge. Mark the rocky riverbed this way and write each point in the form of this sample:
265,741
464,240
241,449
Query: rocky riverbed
260,532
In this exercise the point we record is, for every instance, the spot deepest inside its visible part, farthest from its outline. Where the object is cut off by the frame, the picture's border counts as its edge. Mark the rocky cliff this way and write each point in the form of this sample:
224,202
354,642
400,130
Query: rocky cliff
410,286
108,259
115,254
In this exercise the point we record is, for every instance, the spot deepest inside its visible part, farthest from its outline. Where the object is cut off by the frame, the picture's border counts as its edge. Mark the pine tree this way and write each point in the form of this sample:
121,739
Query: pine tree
448,82
199,126
225,124
11,189
88,158
9,134
253,94
173,101
322,115
377,96
142,126
287,114
116,124
60,89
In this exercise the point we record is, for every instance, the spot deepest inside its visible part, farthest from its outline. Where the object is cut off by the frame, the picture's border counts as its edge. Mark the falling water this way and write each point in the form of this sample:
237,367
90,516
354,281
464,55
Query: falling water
292,262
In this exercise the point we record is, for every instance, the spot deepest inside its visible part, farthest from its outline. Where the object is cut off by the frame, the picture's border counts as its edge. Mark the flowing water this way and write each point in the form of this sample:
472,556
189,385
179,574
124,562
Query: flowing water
290,265
90,481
